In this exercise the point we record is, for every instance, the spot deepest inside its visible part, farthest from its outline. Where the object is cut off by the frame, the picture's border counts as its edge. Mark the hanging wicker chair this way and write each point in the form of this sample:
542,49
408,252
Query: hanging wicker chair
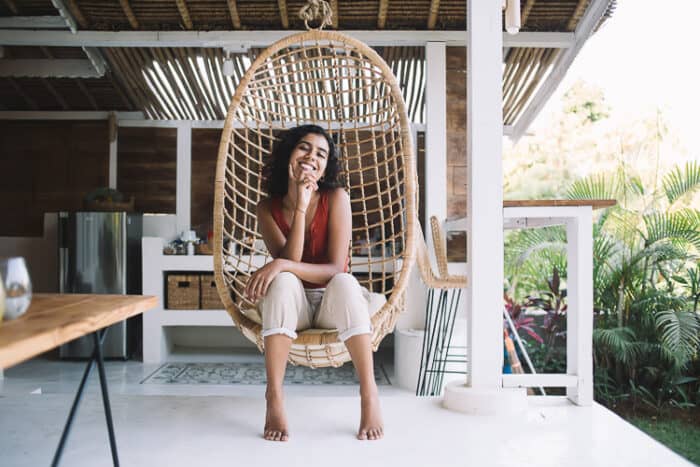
332,80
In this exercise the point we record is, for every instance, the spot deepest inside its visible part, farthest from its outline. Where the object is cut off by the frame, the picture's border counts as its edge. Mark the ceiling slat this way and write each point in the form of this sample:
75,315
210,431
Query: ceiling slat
52,90
383,10
573,21
282,4
184,13
87,94
334,9
77,14
526,11
432,18
12,7
233,10
19,90
129,13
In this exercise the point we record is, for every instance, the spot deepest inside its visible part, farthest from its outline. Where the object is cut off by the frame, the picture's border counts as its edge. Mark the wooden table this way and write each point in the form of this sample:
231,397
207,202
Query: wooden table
55,319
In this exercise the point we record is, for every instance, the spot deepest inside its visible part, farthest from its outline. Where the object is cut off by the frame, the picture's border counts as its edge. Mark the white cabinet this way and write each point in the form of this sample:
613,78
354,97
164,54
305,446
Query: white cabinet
156,345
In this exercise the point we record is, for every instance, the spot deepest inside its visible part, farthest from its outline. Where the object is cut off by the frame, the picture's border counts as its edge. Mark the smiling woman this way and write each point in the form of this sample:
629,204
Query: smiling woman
306,224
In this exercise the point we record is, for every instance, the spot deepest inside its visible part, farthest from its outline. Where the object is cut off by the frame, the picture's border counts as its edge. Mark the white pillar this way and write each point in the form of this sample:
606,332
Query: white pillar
113,164
579,320
435,133
483,392
184,175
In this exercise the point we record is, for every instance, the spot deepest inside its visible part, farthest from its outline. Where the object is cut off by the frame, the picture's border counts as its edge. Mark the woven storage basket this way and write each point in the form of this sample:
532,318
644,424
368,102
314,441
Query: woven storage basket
183,291
209,296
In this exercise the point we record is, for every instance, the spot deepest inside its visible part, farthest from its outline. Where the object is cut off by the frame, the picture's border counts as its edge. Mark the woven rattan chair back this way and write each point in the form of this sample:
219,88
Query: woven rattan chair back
328,79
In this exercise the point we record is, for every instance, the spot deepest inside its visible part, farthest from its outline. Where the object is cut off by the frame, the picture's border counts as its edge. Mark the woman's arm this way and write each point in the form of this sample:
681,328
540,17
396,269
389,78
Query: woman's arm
339,229
280,247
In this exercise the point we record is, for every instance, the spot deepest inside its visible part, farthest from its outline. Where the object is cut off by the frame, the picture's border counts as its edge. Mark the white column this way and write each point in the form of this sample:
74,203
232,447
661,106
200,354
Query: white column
579,321
113,164
483,392
435,134
184,175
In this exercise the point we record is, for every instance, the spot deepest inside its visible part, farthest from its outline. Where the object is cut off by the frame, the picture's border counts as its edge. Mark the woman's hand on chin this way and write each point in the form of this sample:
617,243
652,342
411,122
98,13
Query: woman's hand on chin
306,185
260,280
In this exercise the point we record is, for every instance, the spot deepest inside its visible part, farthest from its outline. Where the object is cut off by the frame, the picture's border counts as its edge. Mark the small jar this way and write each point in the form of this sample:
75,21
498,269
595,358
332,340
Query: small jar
190,248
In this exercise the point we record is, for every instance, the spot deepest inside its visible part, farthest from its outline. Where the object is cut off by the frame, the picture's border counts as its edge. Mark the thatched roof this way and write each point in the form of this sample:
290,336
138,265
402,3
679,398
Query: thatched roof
132,83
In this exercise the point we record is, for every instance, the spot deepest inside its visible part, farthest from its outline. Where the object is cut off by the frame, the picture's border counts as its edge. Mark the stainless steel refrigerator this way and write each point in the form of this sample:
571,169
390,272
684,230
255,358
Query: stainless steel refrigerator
100,253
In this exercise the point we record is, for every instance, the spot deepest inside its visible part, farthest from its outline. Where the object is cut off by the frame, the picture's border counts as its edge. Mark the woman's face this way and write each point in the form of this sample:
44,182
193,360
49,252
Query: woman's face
310,156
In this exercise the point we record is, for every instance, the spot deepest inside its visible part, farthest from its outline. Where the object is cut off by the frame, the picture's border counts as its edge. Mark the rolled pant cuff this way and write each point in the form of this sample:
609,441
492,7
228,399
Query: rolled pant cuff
285,331
348,333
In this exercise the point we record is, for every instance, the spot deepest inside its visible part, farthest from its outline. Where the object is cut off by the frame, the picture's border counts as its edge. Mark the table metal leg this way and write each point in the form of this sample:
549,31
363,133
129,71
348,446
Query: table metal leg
105,400
96,357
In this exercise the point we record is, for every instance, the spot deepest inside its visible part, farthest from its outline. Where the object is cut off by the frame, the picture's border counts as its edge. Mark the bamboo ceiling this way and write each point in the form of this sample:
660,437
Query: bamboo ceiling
187,83
119,15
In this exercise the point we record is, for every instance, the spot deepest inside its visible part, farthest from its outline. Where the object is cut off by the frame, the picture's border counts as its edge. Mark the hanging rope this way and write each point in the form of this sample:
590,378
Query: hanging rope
316,9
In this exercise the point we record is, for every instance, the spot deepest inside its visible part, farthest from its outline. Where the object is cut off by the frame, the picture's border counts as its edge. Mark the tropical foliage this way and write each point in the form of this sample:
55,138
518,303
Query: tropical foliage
646,266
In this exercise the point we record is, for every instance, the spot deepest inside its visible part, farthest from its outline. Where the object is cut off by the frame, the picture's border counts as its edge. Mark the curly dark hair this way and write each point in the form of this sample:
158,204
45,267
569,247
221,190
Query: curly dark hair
276,170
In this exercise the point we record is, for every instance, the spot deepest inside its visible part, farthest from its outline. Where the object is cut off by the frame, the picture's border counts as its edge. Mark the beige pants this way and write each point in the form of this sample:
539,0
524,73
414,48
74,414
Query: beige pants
288,307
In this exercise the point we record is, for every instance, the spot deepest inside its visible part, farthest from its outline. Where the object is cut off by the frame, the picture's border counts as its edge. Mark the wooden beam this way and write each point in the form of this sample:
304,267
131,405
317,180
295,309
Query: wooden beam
129,14
526,11
334,9
75,11
12,7
87,93
432,18
590,20
383,9
282,4
184,13
577,14
48,68
18,89
251,39
233,10
32,22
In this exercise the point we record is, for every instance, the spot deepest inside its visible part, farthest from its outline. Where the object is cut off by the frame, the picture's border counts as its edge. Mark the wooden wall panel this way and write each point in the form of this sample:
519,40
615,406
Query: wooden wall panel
205,148
456,147
48,166
147,168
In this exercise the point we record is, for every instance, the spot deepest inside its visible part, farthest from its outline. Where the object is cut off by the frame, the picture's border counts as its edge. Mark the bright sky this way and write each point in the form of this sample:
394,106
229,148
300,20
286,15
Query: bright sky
644,58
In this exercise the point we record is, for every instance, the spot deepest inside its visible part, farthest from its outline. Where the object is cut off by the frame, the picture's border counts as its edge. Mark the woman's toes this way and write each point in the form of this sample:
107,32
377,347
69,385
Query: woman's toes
362,435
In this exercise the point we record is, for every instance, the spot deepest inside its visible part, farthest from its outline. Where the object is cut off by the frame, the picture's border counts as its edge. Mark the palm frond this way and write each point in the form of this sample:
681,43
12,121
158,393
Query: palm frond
681,226
617,342
595,186
679,332
681,181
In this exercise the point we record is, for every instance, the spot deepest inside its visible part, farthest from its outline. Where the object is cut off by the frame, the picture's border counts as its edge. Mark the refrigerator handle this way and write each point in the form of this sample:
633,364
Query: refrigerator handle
63,270
63,252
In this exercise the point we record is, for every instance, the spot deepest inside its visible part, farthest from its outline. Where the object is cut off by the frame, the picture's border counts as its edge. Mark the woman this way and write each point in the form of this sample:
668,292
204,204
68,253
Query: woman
306,225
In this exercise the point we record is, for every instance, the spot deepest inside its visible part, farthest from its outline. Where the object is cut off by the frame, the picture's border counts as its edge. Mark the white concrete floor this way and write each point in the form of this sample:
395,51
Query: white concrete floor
204,425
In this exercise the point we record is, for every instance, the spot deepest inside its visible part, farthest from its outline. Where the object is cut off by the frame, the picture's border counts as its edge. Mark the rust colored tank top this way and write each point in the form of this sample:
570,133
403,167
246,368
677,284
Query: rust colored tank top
315,239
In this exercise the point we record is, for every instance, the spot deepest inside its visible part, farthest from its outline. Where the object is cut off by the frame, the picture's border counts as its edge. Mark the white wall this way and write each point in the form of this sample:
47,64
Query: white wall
40,253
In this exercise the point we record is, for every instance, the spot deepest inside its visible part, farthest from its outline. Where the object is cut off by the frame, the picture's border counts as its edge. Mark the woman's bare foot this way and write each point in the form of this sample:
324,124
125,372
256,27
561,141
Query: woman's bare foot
371,426
275,418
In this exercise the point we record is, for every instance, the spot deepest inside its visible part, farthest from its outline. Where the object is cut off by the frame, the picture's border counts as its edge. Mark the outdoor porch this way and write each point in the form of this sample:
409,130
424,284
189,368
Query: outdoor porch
181,425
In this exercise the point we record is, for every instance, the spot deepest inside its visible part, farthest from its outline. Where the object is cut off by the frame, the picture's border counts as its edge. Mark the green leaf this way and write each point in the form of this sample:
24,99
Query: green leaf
681,181
679,332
